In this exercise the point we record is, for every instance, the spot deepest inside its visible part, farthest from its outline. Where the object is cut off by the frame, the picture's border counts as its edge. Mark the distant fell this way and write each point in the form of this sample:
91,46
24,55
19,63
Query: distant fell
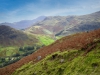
24,23
66,25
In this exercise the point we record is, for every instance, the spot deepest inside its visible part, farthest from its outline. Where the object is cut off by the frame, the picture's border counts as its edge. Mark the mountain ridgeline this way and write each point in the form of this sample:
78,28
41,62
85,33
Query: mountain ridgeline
76,54
23,23
65,25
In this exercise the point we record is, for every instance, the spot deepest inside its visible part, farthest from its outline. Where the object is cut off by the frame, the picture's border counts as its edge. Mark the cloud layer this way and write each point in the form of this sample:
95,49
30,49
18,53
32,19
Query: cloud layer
29,9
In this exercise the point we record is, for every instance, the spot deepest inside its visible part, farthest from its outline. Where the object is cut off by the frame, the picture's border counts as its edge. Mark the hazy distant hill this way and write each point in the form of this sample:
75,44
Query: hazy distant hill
65,25
24,23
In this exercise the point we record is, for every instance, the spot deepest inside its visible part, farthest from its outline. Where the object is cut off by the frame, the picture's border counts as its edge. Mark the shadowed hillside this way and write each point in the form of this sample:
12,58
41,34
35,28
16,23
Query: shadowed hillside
85,42
12,37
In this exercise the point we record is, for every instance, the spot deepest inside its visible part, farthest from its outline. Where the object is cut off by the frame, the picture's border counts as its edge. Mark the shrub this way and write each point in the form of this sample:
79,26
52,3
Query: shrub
94,64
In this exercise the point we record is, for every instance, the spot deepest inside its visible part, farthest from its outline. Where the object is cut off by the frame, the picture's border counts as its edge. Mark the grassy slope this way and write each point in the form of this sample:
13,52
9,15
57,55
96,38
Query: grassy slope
46,40
74,64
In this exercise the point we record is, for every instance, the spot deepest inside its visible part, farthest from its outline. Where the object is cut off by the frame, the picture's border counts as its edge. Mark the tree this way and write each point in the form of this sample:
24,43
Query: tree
21,49
29,48
16,55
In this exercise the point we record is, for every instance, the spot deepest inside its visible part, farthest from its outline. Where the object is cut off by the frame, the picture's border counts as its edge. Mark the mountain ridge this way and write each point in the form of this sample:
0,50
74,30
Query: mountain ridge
23,23
68,24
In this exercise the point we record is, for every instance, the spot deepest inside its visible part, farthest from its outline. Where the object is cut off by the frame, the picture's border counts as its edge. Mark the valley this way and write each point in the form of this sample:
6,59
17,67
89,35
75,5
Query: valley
70,49
52,45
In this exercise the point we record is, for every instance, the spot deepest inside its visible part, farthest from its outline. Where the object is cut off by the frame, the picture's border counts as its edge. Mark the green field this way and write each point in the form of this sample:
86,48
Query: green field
8,51
46,40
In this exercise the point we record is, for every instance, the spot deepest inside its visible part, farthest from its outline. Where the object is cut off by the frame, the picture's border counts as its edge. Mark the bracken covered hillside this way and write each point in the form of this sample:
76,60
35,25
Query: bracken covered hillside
65,63
81,41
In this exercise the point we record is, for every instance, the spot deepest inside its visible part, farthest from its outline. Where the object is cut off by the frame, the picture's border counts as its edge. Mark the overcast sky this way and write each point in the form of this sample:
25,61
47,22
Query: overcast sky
16,10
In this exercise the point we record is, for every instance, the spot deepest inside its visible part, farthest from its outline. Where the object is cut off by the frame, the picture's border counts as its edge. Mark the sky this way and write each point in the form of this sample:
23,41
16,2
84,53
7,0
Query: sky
17,10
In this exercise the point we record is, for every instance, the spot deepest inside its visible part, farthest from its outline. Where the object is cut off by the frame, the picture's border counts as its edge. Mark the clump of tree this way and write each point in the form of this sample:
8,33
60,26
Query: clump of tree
22,52
4,62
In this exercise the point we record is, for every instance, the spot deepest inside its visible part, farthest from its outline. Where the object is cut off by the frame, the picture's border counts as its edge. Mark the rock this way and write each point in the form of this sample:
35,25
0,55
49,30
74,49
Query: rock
39,57
61,60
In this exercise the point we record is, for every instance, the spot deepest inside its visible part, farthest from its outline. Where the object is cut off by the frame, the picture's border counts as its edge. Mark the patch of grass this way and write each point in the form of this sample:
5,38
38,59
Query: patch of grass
46,40
8,50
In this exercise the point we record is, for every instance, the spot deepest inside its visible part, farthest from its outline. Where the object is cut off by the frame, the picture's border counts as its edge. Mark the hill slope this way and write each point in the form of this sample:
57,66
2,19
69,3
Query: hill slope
12,37
15,44
81,43
65,63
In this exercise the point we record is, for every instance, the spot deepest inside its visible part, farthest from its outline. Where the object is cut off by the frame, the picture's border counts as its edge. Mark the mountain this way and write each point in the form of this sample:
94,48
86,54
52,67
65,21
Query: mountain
76,54
12,37
86,23
24,23
65,25
50,25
